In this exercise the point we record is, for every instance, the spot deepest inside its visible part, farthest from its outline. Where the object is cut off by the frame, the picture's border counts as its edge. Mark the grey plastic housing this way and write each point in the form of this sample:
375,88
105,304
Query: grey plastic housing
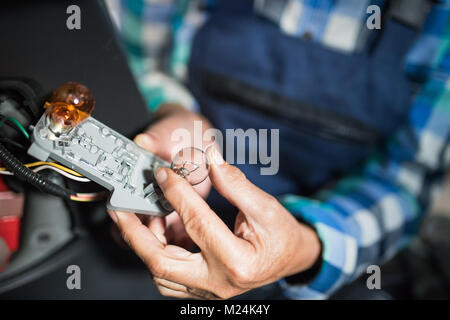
107,158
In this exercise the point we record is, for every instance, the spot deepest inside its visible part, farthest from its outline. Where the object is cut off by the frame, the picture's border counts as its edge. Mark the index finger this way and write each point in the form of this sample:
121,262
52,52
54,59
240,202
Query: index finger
204,227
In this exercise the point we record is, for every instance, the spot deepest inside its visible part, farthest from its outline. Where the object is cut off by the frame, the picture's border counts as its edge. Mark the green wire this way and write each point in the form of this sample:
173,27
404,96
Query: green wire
17,123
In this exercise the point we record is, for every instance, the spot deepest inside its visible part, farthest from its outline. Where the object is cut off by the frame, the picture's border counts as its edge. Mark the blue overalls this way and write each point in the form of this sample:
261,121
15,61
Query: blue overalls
332,108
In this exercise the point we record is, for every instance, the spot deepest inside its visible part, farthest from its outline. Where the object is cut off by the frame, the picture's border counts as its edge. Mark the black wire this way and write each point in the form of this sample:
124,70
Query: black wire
35,179
23,91
13,143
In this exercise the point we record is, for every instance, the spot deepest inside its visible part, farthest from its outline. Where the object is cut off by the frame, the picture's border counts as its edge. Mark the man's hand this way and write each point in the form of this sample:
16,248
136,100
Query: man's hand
158,140
267,244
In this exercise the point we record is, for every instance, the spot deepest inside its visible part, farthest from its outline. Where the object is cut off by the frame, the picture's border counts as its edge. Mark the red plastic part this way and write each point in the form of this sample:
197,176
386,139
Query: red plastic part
11,210
3,186
10,231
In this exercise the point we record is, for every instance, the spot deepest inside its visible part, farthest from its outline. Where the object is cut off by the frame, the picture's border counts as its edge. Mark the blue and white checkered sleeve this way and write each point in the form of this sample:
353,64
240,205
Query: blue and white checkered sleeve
156,36
366,218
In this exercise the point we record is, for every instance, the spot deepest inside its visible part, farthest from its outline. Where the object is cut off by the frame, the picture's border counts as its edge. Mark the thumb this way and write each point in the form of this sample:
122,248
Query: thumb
148,141
232,184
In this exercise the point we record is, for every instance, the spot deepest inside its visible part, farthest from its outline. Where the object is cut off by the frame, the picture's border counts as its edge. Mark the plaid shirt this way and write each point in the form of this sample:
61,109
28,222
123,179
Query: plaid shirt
366,217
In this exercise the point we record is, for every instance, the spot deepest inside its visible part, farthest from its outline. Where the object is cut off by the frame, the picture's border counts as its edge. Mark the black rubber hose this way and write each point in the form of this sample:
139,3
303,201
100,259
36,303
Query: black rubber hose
35,179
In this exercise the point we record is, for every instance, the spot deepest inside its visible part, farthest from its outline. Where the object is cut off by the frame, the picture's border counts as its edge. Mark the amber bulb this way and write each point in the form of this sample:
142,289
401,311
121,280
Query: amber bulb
69,105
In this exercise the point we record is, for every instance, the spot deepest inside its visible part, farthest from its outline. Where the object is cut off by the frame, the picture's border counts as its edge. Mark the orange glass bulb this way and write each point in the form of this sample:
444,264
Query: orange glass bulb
69,105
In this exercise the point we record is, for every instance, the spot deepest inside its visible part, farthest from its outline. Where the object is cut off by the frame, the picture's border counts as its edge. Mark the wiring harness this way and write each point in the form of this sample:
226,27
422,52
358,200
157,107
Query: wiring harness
35,179
13,166
30,172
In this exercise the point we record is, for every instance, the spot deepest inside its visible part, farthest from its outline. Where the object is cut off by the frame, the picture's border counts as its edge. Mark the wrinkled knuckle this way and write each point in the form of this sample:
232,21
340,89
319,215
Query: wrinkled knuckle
196,222
157,268
190,220
131,235
235,174
183,207
125,236
172,187
223,294
240,275
271,201
271,205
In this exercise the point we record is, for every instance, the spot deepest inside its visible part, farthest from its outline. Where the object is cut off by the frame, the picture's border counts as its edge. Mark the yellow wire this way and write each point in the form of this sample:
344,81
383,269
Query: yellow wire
53,164
34,164
89,196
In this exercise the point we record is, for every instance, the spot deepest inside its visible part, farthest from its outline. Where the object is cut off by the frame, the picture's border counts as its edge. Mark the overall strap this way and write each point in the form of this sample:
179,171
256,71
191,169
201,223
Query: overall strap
403,21
411,13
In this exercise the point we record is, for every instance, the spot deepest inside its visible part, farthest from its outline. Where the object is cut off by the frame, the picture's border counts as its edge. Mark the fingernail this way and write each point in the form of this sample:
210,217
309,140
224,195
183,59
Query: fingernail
214,156
143,140
160,175
113,215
